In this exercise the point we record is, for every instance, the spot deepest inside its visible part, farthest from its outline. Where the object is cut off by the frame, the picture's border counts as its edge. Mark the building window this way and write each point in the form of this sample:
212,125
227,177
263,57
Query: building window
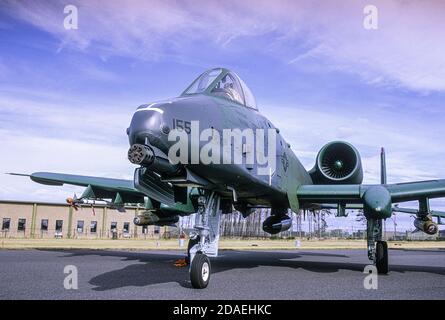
6,224
93,227
113,226
59,225
144,229
157,229
80,226
22,225
44,225
126,227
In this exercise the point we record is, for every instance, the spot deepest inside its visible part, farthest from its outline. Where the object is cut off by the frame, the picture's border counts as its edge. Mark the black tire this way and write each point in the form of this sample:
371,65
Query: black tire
381,257
200,271
190,245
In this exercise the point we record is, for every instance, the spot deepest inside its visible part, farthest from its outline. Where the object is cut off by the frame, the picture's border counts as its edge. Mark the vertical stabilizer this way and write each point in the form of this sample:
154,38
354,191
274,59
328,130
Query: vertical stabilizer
382,167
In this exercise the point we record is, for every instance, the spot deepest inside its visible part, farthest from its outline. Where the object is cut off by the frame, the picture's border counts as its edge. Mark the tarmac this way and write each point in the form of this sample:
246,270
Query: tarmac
286,274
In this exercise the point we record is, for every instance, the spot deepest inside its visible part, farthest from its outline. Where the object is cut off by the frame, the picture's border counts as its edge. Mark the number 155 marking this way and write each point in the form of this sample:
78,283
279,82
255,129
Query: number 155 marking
182,125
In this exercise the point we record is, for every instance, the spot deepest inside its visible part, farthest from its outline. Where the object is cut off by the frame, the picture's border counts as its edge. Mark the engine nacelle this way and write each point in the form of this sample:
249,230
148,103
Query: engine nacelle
275,224
337,163
148,218
426,225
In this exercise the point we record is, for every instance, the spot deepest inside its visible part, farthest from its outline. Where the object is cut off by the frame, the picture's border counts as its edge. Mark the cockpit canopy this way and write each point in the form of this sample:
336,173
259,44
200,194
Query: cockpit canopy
223,83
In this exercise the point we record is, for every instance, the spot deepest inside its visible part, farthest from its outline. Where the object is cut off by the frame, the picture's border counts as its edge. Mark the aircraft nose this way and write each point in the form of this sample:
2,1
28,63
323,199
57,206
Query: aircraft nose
148,124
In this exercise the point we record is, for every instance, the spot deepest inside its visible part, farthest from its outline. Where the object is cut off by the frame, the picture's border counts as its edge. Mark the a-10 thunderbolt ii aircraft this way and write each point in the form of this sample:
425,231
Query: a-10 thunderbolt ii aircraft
182,171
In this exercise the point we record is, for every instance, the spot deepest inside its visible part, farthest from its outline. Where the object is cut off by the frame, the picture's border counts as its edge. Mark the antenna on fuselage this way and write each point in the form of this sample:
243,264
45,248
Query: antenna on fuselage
382,166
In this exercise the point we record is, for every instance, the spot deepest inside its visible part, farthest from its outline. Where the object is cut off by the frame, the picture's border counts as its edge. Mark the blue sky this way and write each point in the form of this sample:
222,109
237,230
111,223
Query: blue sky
67,96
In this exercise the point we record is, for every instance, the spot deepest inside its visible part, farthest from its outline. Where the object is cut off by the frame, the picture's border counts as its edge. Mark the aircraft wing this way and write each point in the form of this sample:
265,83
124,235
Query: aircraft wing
97,187
353,194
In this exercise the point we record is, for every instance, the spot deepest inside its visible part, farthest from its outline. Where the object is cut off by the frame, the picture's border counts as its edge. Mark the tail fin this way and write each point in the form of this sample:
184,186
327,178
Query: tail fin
382,167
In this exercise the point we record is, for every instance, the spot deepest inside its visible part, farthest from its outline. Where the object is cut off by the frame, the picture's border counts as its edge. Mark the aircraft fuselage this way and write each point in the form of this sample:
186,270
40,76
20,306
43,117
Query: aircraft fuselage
151,125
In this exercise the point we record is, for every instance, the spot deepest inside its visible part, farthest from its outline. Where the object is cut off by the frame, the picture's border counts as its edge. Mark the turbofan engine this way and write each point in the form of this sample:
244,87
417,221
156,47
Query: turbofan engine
337,163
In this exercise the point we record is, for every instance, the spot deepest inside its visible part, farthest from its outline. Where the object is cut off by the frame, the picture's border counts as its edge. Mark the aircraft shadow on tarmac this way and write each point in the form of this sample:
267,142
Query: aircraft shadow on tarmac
158,268
421,250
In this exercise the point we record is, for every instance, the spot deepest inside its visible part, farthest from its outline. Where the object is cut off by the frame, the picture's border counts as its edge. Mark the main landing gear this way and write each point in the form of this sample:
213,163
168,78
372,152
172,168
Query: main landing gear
377,248
204,242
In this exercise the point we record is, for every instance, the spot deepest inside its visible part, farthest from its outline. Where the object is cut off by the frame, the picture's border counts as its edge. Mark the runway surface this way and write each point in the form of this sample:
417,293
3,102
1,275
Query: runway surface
315,274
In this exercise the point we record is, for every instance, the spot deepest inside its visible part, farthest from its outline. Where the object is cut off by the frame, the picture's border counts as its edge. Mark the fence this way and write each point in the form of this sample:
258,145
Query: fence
232,226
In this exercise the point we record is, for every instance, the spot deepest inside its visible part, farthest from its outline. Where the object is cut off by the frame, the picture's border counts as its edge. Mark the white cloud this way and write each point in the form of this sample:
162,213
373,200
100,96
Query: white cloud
49,114
405,51
49,132
414,151
24,153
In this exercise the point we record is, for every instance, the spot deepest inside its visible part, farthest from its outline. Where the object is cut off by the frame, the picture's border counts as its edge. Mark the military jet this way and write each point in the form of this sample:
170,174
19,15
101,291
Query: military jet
173,180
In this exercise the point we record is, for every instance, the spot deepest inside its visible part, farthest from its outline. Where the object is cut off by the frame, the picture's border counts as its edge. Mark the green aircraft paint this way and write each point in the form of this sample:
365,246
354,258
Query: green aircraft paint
220,100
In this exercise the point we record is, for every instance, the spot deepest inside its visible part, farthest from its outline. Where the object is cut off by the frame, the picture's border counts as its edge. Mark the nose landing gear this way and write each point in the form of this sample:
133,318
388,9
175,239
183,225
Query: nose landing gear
205,243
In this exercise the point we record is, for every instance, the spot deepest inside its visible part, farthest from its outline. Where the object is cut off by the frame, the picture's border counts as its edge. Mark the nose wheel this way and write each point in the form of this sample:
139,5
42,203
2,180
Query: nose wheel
200,271
381,257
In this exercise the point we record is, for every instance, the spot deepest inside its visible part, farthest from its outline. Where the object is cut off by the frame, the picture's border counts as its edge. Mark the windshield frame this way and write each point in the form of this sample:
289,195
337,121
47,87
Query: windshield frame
212,85
209,86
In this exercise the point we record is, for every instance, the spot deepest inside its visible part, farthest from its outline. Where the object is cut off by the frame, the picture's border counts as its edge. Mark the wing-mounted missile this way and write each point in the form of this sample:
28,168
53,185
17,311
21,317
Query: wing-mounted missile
75,202
152,215
155,217
90,193
423,221
337,163
426,224
161,214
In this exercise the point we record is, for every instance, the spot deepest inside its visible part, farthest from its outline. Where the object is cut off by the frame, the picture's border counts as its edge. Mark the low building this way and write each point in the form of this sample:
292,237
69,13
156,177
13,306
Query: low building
21,219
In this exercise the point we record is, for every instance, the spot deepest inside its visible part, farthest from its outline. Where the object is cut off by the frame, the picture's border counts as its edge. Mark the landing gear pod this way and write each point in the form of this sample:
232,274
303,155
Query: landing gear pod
275,224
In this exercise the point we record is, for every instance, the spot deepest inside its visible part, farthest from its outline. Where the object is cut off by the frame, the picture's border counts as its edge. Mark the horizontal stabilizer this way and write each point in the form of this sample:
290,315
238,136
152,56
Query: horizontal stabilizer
433,213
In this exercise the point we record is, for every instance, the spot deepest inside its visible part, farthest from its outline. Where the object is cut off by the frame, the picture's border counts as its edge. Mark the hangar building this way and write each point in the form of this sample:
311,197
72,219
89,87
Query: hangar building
20,219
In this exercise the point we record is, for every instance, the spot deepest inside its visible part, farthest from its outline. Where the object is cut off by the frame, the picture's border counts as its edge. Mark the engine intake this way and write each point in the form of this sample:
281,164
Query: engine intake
337,163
